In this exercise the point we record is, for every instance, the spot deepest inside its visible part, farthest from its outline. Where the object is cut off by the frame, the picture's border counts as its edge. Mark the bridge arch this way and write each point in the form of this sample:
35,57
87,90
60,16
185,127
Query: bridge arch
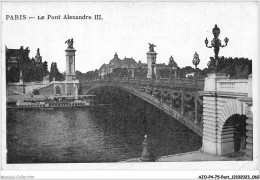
148,98
220,118
233,134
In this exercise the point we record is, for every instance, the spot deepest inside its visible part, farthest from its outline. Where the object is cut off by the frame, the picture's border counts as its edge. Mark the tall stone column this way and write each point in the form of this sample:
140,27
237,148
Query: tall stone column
71,83
151,61
70,63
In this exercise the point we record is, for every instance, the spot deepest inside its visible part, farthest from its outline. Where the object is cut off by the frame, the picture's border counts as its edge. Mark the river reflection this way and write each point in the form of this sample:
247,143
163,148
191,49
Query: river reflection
94,134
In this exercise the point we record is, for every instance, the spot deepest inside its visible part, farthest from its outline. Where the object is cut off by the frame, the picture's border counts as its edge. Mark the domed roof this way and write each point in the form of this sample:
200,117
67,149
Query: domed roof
115,60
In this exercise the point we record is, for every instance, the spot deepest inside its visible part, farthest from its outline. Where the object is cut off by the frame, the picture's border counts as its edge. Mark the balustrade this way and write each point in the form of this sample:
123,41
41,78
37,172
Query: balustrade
165,95
189,104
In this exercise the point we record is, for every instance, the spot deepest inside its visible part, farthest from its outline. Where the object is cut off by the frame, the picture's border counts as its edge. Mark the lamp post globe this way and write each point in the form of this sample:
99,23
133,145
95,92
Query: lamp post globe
196,60
216,44
216,31
226,40
206,41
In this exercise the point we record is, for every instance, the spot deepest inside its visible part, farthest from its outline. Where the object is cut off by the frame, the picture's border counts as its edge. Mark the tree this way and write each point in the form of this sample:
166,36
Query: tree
164,73
204,72
185,70
91,75
55,73
13,75
45,71
235,67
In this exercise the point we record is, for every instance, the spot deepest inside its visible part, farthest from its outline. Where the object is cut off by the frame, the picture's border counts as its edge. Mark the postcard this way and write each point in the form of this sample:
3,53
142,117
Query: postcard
130,86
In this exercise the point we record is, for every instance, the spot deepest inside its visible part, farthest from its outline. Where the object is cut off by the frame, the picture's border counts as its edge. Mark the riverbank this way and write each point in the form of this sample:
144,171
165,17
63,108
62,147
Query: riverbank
198,156
16,98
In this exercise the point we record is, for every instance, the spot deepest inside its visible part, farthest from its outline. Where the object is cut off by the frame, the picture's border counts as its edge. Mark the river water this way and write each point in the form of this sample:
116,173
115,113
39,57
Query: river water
94,134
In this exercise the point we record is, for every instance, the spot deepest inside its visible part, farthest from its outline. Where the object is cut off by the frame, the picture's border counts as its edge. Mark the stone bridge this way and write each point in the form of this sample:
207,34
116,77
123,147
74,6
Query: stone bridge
212,112
177,97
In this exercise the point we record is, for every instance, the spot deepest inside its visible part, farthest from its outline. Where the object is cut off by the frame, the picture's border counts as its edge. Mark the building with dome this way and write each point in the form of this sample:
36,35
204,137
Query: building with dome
134,68
116,63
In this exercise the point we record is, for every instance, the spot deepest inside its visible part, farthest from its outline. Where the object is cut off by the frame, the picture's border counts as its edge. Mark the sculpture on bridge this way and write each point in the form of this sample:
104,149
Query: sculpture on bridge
70,43
38,51
151,47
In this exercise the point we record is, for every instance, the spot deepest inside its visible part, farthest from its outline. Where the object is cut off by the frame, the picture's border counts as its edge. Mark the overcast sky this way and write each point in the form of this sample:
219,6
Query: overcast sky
176,28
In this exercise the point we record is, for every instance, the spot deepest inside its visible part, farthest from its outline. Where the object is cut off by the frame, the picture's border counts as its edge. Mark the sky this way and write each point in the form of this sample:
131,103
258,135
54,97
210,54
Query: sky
176,28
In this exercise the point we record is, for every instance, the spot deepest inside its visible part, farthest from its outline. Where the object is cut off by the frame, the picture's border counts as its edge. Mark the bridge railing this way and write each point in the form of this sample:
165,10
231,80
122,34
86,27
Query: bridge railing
188,103
177,95
177,82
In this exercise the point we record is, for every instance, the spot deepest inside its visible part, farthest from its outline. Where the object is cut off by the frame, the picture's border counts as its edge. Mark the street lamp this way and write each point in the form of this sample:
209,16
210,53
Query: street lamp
196,61
216,44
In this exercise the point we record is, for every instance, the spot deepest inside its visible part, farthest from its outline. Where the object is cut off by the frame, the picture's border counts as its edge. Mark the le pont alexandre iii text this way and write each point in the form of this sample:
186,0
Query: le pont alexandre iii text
55,17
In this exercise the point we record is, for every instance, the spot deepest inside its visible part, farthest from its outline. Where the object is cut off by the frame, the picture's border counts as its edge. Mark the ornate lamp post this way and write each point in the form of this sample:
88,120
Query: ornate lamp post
196,61
216,44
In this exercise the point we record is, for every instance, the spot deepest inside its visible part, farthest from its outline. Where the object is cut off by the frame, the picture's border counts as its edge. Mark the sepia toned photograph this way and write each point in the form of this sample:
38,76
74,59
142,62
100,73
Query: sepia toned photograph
129,83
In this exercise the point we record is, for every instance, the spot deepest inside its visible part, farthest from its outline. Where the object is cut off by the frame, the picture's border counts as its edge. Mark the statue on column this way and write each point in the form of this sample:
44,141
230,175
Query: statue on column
38,51
151,47
70,43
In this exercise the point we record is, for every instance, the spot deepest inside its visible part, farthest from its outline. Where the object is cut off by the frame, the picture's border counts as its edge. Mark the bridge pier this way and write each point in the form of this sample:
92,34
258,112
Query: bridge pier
211,137
224,101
